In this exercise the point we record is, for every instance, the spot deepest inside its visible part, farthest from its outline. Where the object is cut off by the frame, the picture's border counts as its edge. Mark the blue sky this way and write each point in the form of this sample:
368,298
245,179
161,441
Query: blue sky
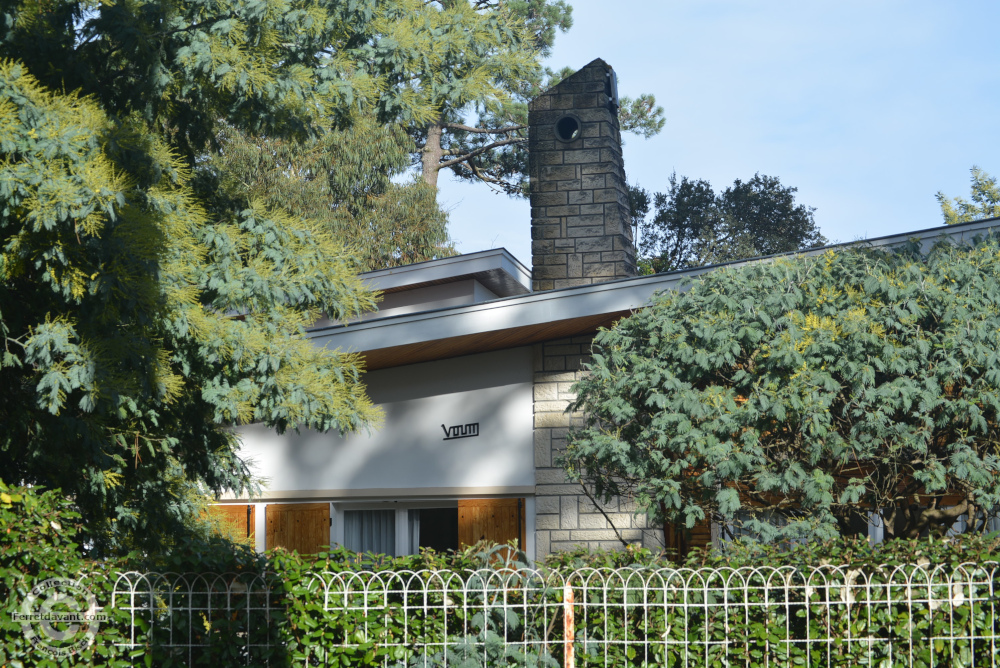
868,108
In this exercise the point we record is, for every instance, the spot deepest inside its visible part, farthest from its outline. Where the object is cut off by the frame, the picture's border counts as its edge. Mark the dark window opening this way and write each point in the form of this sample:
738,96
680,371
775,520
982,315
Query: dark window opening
438,528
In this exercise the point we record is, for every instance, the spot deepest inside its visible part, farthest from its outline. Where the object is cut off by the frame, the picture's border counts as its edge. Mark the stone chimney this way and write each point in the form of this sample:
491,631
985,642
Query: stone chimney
580,226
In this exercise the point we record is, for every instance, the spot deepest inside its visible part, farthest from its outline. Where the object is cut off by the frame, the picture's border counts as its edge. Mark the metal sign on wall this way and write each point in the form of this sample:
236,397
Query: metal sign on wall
460,431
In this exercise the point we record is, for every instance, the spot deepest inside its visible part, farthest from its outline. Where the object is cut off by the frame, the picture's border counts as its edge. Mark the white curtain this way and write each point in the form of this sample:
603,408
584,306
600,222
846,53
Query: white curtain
370,531
414,531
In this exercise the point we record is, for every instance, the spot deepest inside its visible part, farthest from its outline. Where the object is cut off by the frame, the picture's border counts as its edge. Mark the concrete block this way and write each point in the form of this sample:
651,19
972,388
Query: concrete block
610,155
543,246
561,211
619,243
591,521
569,514
545,392
551,420
549,157
547,505
598,168
541,544
549,199
561,102
594,534
552,476
574,265
594,244
584,221
554,376
555,364
602,269
560,172
561,489
605,195
565,391
571,282
545,231
549,271
560,348
599,143
581,156
586,230
550,406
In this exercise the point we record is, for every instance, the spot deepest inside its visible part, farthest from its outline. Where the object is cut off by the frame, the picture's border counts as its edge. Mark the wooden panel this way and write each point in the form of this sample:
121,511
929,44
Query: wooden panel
236,523
701,535
497,520
468,344
302,527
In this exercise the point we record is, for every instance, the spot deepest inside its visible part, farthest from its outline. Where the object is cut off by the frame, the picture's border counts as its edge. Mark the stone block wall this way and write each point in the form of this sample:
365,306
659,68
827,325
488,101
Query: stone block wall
564,516
580,225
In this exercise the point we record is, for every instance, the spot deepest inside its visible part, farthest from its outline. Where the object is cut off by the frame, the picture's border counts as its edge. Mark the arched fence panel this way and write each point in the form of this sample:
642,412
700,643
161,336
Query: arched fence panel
917,615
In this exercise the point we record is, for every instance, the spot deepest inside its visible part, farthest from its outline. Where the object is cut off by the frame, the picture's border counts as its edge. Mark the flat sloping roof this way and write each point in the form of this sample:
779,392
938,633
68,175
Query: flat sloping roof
497,269
540,316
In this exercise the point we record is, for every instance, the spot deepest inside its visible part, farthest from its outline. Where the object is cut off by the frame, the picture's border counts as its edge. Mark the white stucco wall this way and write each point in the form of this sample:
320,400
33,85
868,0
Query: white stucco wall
409,456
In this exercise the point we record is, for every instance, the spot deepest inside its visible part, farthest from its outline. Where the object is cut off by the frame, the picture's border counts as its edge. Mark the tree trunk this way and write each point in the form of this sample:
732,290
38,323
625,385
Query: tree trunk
432,153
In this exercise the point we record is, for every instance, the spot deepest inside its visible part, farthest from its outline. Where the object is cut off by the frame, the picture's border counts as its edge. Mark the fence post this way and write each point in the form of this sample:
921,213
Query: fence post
569,628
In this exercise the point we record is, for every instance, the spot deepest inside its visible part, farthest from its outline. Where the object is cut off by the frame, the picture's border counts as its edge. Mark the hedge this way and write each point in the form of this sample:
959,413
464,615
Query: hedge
40,538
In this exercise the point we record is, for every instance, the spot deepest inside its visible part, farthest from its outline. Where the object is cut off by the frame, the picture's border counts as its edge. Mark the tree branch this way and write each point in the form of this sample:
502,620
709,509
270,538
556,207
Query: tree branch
600,508
483,149
485,131
195,26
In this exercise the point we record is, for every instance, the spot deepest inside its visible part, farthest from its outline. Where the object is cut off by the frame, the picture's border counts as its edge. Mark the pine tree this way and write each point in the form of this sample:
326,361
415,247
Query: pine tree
347,182
455,59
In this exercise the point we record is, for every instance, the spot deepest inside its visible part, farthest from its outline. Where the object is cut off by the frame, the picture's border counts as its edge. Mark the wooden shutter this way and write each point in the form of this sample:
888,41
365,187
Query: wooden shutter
498,520
303,527
236,519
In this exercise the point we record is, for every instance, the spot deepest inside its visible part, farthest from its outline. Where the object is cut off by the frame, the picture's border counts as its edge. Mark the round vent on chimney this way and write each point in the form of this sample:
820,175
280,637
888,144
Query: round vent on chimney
568,127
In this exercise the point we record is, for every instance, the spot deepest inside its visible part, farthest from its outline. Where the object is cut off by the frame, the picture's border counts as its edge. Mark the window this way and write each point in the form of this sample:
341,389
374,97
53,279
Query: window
403,527
396,528
370,531
434,528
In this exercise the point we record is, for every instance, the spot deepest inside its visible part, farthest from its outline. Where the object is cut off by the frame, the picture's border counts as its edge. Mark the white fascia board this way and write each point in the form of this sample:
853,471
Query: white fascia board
499,314
449,269
566,303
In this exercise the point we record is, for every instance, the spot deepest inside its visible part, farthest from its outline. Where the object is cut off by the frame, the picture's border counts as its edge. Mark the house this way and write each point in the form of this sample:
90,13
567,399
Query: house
472,359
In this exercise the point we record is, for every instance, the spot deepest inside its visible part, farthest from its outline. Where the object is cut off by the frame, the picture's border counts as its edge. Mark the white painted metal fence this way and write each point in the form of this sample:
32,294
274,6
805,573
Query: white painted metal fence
920,615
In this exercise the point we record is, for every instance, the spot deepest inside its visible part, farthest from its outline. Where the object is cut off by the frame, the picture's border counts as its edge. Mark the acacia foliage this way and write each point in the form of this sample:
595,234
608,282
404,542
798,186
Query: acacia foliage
985,196
795,395
138,320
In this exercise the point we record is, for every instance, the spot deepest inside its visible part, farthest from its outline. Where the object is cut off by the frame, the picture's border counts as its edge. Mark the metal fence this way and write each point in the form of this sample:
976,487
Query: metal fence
916,615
